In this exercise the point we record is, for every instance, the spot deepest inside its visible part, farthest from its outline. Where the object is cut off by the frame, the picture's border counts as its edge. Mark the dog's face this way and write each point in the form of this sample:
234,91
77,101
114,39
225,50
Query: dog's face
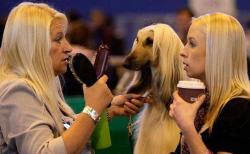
141,53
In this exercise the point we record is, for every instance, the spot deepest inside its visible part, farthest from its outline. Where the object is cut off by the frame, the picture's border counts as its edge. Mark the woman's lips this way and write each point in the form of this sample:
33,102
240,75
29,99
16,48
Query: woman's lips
66,60
185,66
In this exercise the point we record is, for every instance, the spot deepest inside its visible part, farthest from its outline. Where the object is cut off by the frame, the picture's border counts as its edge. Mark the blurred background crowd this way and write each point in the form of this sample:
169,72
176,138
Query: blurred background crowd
116,23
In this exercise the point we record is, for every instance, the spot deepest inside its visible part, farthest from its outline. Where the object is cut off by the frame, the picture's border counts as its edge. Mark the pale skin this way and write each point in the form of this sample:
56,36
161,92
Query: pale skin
97,96
193,56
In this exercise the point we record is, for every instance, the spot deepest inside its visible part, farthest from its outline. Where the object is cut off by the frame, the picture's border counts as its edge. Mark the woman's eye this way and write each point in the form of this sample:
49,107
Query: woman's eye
58,39
191,44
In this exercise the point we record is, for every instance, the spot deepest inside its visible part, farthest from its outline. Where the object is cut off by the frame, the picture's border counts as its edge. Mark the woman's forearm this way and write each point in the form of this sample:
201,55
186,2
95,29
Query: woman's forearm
77,136
194,141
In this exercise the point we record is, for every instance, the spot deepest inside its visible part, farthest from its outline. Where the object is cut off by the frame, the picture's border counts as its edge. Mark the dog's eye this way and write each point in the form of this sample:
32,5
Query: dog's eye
149,41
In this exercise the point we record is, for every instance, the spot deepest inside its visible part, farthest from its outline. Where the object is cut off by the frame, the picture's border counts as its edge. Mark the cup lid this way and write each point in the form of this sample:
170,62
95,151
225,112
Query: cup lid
191,84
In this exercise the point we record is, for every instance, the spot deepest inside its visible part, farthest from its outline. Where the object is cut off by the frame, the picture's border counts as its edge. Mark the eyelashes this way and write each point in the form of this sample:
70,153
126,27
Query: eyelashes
192,44
59,37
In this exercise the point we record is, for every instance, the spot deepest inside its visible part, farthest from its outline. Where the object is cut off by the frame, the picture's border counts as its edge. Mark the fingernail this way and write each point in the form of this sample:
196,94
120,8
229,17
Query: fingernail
201,96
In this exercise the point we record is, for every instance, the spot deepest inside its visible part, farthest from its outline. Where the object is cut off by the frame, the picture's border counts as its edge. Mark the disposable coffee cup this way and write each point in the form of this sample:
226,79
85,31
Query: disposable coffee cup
190,90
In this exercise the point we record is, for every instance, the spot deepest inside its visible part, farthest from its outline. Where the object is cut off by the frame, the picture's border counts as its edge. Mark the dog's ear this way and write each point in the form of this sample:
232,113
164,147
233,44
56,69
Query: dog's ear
156,57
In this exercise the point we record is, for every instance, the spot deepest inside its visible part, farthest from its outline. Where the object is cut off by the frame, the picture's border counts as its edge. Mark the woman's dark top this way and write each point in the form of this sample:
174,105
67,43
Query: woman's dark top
231,131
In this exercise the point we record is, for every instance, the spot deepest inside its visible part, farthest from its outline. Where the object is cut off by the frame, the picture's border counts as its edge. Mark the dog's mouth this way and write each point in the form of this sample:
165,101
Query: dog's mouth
135,65
144,80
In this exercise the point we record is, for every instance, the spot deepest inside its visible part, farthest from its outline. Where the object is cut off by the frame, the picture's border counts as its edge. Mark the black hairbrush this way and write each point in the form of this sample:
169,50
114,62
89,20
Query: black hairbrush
83,70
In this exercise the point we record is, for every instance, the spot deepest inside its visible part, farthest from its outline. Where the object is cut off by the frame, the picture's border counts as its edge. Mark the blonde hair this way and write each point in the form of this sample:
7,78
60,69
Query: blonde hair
166,50
226,65
25,52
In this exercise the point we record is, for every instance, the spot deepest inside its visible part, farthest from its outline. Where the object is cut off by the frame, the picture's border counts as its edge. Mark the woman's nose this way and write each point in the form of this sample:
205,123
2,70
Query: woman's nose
183,52
68,48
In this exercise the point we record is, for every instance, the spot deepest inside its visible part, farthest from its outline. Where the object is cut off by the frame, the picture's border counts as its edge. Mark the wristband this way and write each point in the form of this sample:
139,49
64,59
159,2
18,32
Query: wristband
91,113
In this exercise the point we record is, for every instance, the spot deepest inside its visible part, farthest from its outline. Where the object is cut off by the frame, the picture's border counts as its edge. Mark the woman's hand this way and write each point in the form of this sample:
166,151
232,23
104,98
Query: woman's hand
127,104
98,96
183,112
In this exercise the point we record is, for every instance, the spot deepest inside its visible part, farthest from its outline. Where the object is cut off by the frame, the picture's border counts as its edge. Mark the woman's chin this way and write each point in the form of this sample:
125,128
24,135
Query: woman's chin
191,75
60,72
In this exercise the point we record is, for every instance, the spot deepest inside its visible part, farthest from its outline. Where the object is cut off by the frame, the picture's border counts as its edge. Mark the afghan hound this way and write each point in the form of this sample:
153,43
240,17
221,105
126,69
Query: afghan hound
155,55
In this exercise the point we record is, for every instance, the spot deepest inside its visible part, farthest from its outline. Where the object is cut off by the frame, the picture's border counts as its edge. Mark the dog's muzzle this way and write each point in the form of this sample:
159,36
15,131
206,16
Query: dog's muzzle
132,64
129,62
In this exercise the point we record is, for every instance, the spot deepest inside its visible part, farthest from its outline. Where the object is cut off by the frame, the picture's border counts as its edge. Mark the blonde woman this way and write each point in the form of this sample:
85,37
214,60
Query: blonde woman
33,115
216,54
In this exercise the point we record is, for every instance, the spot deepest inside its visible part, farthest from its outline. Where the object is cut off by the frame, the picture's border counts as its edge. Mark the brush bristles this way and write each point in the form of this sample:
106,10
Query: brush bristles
71,67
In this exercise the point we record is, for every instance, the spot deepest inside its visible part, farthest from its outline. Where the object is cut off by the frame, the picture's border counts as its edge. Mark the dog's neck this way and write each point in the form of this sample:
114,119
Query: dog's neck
156,88
148,83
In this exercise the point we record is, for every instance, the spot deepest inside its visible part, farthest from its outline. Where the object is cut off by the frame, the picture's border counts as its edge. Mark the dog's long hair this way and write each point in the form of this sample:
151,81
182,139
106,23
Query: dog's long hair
155,54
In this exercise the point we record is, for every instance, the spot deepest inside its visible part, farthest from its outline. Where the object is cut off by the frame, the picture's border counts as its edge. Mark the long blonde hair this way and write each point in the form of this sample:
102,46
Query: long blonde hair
166,70
226,62
166,48
25,52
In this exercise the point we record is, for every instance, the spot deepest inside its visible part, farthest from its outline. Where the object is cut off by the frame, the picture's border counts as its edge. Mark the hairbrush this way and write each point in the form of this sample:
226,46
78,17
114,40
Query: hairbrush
83,70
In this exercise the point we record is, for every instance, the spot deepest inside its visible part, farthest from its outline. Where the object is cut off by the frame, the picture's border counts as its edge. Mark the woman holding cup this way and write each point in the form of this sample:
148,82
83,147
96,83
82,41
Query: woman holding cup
216,54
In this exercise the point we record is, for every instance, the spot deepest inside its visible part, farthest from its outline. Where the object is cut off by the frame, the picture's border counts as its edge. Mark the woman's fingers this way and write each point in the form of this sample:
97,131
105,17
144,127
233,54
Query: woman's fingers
131,96
200,101
129,110
103,79
137,102
98,96
132,107
171,114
